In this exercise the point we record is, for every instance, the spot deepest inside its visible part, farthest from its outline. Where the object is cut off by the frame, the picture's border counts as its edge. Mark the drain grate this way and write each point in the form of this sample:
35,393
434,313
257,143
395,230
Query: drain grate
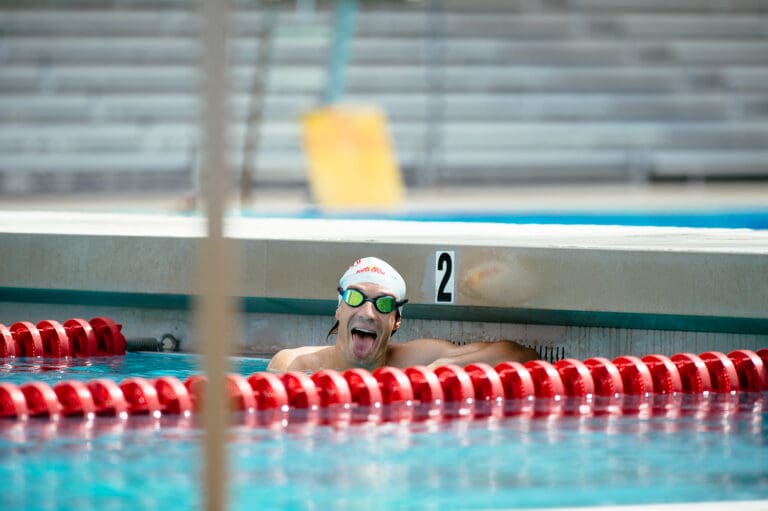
551,353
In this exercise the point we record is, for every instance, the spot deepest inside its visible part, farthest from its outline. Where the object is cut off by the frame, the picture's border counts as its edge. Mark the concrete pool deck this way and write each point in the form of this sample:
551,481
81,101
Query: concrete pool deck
575,197
578,291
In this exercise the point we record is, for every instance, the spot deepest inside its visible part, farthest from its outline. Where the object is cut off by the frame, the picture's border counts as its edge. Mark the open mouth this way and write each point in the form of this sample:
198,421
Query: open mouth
362,342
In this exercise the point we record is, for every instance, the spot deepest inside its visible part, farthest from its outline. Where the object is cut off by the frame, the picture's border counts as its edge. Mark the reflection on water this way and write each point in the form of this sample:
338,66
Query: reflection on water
524,453
43,365
676,449
148,365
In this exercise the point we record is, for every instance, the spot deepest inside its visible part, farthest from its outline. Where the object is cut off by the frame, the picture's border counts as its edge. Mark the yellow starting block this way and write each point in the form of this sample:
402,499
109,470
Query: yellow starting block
350,158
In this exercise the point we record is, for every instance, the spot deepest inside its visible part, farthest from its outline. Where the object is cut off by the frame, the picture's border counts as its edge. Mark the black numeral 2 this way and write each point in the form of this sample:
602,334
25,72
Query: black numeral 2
444,264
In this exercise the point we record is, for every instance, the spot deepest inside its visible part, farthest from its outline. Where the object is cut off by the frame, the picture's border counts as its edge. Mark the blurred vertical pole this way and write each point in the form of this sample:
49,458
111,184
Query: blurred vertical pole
215,310
343,31
258,99
435,76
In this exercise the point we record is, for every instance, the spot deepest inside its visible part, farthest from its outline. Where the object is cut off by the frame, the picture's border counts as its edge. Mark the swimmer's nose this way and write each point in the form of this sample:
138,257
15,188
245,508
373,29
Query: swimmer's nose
368,309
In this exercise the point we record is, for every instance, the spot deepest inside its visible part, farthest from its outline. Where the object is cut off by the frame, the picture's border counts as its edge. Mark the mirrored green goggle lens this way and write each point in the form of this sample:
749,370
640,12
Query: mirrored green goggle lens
355,298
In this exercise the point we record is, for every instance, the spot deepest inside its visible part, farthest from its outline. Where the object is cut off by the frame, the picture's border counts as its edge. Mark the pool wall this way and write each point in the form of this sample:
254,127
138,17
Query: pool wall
575,291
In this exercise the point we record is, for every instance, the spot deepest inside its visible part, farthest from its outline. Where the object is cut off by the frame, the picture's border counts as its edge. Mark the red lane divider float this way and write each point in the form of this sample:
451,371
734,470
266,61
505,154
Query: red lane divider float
428,394
606,377
722,371
75,338
664,373
269,391
108,397
694,374
42,401
388,394
29,343
396,394
75,398
635,375
516,380
173,395
750,369
576,378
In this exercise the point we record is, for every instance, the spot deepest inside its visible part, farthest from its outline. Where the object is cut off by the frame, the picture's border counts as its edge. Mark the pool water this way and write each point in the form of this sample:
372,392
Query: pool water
141,364
730,218
715,448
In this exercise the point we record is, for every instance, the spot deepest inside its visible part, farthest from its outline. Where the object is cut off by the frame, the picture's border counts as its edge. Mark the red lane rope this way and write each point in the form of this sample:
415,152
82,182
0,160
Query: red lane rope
425,384
108,397
665,375
27,338
75,398
546,379
606,377
394,385
635,375
576,377
332,388
389,394
516,380
268,391
694,374
722,371
751,370
82,337
7,342
173,395
75,338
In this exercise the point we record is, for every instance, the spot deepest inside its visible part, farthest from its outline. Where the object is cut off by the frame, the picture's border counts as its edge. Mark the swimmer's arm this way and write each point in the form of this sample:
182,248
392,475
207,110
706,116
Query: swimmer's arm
491,353
305,358
437,352
281,361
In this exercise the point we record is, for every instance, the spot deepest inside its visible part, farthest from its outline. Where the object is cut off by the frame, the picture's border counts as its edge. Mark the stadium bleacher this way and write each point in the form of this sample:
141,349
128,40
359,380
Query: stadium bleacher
101,95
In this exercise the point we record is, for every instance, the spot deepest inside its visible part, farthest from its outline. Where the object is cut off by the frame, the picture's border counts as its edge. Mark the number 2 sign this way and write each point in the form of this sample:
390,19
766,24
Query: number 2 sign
444,283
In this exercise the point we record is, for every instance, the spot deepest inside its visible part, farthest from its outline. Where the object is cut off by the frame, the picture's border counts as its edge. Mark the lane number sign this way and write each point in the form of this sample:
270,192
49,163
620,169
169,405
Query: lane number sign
444,282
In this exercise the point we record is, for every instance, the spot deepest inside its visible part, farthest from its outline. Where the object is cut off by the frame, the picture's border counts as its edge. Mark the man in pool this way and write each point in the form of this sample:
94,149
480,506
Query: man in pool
372,294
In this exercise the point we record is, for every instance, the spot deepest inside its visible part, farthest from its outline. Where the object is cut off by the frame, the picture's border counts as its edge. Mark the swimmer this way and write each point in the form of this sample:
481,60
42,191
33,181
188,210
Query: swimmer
371,297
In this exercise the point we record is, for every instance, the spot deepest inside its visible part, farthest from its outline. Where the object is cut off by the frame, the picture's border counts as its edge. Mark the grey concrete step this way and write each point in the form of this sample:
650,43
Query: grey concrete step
143,21
154,49
453,166
568,23
95,162
15,137
728,20
100,79
178,107
175,51
575,88
709,163
531,165
592,79
664,6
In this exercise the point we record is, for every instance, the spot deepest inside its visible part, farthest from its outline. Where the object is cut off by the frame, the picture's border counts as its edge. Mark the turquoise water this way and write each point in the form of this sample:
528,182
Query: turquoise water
143,364
715,449
753,218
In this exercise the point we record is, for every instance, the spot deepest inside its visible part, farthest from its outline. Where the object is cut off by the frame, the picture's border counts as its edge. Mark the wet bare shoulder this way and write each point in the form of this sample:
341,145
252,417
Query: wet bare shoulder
417,352
297,359
440,351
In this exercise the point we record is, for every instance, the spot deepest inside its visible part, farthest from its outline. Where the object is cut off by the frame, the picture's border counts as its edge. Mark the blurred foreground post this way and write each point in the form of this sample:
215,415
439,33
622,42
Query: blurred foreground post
214,313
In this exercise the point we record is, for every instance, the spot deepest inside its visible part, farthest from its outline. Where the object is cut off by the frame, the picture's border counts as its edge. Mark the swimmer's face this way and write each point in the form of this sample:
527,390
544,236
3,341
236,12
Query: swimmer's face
364,332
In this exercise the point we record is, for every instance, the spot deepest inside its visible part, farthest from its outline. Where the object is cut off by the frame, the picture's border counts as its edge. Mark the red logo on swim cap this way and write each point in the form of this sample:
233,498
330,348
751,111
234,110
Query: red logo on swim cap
372,269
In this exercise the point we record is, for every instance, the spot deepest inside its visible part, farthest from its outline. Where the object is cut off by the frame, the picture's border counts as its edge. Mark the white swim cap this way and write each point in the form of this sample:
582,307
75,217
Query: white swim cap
375,271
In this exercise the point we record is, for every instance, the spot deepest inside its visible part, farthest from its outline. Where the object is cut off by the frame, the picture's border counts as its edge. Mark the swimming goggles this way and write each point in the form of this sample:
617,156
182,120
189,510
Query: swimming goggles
384,304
